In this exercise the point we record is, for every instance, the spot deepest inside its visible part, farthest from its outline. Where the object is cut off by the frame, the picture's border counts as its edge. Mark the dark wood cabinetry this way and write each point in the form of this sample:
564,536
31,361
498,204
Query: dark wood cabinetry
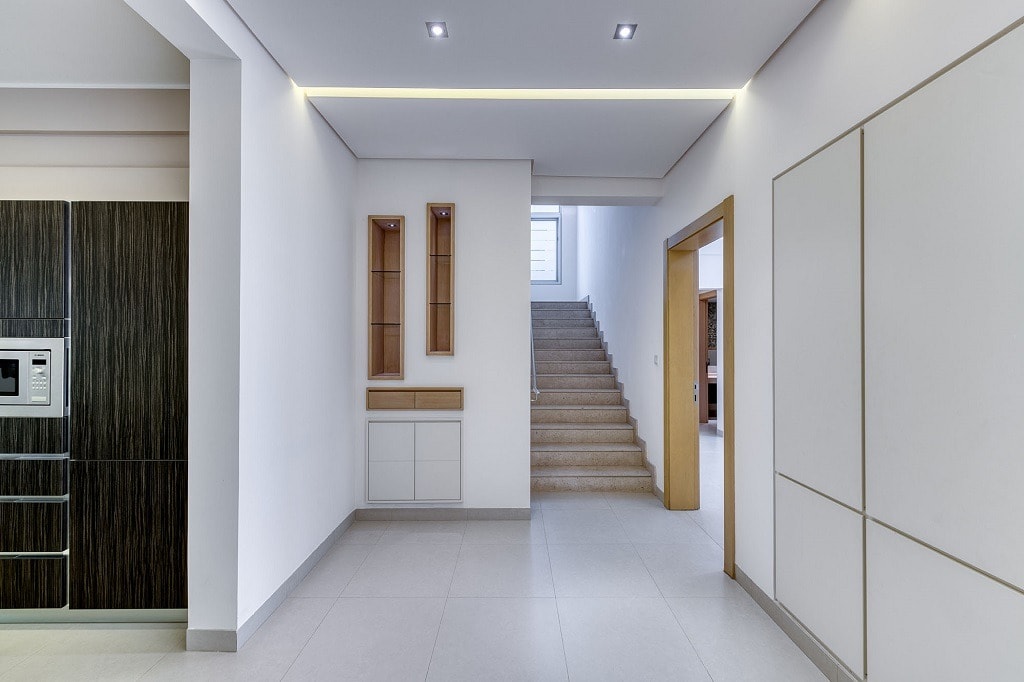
128,535
33,269
33,582
33,526
129,326
129,410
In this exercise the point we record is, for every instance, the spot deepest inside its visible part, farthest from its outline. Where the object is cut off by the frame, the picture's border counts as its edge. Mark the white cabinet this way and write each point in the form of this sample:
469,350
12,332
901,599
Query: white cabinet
414,461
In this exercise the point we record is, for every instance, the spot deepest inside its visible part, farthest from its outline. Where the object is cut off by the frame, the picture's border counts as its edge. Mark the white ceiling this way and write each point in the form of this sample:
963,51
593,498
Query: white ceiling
524,44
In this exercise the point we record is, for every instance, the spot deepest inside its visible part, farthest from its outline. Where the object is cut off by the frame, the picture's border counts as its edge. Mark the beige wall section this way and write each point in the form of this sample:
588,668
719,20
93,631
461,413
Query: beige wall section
102,144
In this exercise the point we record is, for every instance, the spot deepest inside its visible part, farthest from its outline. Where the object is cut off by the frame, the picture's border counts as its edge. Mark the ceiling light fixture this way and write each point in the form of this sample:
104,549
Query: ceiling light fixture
523,93
624,31
437,29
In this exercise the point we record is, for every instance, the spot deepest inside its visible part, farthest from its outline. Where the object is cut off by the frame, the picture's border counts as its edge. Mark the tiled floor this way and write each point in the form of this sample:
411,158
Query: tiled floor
594,587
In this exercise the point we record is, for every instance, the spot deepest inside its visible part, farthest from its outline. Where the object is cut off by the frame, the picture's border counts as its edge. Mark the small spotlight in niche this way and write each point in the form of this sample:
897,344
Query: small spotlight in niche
624,32
437,29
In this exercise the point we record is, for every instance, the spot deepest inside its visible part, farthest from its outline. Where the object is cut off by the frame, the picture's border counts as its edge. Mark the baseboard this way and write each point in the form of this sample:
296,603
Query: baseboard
818,654
233,640
442,514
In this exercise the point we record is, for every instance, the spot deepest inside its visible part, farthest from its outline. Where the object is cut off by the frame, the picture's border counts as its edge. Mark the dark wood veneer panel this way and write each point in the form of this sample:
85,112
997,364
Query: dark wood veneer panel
26,436
33,245
33,329
128,535
33,583
33,526
130,328
26,477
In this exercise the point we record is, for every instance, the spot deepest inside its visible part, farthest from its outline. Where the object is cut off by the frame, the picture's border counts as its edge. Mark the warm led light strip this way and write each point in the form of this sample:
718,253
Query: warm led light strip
524,93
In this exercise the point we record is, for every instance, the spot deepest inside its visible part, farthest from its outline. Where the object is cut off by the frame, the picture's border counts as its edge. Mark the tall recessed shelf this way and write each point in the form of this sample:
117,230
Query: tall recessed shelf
387,297
440,279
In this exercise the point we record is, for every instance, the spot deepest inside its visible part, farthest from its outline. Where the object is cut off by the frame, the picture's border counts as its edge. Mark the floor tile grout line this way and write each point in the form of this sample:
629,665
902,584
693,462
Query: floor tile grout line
671,610
155,664
336,599
558,614
444,610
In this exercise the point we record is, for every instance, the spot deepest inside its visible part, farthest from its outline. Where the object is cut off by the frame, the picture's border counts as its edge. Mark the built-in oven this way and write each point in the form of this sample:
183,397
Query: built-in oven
32,377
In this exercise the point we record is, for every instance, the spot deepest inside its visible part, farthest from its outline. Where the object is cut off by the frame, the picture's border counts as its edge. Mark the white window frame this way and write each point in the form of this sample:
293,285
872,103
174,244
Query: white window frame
556,217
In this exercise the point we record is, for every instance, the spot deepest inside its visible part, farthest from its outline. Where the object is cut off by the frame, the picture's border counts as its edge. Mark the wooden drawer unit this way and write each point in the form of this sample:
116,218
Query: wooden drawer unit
33,582
412,398
33,526
30,477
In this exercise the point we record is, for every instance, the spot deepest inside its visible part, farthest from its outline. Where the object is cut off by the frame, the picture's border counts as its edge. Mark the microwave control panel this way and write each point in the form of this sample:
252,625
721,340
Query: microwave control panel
39,388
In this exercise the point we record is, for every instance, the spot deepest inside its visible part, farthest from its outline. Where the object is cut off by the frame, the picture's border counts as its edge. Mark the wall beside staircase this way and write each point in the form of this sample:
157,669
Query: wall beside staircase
492,312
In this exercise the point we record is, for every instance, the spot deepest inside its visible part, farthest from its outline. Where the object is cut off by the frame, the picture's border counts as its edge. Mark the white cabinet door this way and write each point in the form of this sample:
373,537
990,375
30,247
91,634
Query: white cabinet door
390,466
438,461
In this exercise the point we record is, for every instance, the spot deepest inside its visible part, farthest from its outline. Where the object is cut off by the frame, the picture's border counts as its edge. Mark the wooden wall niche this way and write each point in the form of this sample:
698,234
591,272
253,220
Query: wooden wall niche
440,279
387,297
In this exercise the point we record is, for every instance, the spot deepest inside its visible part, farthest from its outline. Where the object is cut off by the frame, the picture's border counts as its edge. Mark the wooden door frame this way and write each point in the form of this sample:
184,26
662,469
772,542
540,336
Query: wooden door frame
682,450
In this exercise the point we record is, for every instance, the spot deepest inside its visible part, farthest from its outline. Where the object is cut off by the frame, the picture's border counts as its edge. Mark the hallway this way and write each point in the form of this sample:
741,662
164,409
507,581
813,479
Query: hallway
597,586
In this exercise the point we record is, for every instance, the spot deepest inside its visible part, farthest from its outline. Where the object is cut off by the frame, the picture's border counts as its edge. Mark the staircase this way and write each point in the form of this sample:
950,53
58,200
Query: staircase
580,437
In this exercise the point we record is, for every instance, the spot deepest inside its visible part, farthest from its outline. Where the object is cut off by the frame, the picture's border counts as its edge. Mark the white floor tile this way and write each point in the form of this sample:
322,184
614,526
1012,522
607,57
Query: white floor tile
405,570
688,571
372,639
363,533
503,571
568,500
330,576
506,532
737,641
570,526
499,639
600,571
424,532
661,526
618,500
266,656
626,639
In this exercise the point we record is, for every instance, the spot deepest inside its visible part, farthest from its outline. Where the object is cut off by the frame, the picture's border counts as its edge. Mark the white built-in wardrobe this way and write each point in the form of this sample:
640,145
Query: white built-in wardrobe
899,382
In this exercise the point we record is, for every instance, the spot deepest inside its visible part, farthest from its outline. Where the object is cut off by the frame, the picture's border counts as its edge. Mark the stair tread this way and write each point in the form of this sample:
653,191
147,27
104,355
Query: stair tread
584,447
609,470
577,407
596,426
578,390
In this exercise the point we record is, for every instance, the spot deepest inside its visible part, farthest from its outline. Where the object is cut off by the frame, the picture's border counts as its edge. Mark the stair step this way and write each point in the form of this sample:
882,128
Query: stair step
558,305
608,478
568,344
587,367
578,414
584,454
581,433
580,396
560,381
565,333
576,314
573,355
541,324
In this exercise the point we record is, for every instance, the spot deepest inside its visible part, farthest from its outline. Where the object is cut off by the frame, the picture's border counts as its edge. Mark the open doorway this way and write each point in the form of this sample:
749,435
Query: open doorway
685,373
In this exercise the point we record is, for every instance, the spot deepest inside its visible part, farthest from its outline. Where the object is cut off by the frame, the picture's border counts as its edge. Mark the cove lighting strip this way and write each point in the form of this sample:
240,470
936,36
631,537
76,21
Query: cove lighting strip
524,93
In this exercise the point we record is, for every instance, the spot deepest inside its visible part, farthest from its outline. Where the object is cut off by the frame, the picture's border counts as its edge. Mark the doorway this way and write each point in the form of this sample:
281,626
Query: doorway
682,320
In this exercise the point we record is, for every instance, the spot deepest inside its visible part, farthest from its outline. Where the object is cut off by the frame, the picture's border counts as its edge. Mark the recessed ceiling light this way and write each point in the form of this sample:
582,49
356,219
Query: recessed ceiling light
624,31
437,29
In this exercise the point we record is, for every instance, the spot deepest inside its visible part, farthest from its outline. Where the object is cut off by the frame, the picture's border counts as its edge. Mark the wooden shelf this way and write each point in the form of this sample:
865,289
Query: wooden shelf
415,398
386,309
440,279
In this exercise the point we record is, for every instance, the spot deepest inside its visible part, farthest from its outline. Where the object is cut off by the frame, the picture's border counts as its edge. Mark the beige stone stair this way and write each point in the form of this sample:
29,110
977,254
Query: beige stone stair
581,436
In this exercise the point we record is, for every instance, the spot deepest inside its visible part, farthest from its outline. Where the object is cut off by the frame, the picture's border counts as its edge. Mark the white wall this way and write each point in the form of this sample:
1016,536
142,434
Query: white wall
275,203
566,291
80,144
492,311
845,62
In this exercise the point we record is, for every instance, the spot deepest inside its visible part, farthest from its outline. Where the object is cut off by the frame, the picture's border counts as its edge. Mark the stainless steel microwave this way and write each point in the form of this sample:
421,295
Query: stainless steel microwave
32,377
